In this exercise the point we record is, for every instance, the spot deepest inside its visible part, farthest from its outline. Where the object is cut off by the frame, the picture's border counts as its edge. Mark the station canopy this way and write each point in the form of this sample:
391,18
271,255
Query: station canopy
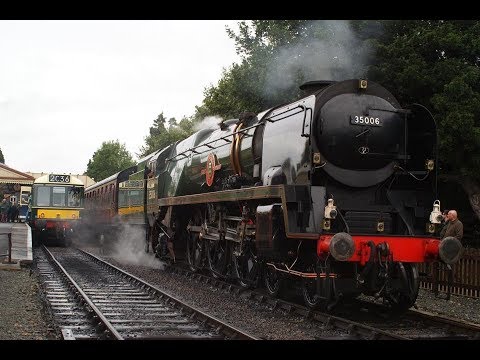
12,176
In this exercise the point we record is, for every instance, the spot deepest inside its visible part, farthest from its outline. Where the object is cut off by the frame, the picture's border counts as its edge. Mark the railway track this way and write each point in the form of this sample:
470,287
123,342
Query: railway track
357,321
362,320
91,299
351,329
414,324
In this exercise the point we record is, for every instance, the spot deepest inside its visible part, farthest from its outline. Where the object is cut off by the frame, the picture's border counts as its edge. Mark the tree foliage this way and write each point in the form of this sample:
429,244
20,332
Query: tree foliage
436,63
278,56
431,62
2,159
109,159
161,136
242,86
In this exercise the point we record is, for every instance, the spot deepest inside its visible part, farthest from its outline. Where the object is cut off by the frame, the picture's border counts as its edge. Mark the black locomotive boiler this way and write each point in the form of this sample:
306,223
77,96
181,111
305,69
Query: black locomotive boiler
335,193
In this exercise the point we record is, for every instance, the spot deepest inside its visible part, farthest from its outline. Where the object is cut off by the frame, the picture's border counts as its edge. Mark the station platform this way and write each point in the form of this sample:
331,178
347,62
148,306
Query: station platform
21,242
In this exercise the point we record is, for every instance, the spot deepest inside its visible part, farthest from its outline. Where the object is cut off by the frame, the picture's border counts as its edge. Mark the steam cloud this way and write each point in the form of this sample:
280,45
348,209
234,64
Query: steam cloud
129,248
208,122
125,243
340,56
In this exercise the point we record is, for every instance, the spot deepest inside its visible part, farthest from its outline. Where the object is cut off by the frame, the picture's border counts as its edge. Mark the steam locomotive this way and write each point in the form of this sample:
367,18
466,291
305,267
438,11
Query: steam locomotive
335,193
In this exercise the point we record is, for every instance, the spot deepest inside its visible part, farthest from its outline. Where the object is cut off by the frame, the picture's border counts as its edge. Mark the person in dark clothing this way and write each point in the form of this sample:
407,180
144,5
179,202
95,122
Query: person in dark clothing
16,212
10,211
453,226
3,210
444,221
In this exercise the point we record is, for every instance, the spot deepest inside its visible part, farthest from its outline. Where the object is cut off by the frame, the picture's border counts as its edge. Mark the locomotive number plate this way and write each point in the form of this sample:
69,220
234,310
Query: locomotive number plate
365,120
59,178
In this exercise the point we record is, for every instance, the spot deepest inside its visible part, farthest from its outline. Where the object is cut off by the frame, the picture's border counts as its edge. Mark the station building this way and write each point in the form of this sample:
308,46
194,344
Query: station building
15,185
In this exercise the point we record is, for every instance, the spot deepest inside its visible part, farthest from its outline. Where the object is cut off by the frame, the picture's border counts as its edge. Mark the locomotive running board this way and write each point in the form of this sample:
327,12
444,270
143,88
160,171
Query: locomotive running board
253,193
257,192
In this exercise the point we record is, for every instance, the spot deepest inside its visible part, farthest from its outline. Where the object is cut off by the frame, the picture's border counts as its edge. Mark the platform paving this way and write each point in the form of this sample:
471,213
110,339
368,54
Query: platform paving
21,242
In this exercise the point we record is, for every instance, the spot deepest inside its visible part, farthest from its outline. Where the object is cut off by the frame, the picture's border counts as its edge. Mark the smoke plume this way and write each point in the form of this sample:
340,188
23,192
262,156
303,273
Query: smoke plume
129,248
208,122
329,51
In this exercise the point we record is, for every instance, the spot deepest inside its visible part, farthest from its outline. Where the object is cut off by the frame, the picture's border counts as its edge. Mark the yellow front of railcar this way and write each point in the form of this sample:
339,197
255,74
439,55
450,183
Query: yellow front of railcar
56,207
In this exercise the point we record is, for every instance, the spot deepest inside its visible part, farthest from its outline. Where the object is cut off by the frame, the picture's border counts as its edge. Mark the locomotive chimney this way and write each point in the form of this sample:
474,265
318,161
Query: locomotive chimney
312,86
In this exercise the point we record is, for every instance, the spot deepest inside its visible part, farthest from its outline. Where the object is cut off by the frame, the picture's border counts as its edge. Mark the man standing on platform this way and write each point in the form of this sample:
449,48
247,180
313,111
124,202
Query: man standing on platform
453,226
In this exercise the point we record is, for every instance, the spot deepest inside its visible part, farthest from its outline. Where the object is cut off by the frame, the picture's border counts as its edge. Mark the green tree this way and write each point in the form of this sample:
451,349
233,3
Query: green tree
109,159
160,136
2,159
242,87
436,63
278,56
431,62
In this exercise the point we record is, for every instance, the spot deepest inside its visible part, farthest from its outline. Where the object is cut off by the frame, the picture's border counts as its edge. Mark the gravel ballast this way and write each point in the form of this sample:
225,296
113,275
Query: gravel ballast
255,318
23,315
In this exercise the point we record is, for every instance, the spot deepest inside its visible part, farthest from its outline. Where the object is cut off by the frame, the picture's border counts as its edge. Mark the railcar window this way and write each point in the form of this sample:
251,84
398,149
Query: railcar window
122,198
58,196
136,197
43,196
75,195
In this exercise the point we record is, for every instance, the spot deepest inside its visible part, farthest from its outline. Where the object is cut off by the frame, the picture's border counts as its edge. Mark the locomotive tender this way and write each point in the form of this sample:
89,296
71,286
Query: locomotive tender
335,193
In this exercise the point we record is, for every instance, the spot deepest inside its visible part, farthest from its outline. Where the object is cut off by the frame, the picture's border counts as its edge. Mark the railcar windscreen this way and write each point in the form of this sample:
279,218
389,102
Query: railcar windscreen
43,196
58,196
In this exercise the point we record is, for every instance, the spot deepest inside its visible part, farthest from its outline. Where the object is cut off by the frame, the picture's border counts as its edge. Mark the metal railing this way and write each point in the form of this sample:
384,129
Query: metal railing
9,254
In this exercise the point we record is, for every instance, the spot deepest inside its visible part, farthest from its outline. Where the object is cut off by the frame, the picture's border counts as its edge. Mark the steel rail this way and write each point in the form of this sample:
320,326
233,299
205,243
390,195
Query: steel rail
461,324
453,328
86,298
228,330
352,327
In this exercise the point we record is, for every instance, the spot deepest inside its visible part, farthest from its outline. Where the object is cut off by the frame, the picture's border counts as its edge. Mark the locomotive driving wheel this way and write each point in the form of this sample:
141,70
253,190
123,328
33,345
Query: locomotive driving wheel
217,256
312,299
402,298
195,252
273,281
246,266
195,245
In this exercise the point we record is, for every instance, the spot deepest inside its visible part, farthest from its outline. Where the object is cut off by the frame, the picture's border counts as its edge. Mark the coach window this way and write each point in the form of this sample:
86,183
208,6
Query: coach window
58,196
110,194
122,198
43,196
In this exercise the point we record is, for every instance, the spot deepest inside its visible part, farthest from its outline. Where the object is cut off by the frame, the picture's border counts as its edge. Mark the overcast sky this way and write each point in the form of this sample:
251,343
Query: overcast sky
67,86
